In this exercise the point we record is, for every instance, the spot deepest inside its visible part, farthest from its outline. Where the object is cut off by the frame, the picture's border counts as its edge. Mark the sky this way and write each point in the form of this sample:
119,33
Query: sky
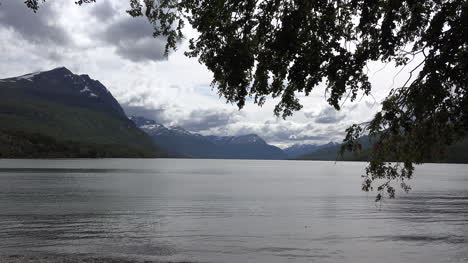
103,41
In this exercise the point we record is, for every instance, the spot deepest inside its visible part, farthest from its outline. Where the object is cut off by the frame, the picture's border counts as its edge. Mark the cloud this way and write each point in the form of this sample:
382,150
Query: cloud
195,121
205,119
38,28
327,115
156,114
133,39
371,105
310,114
307,137
104,11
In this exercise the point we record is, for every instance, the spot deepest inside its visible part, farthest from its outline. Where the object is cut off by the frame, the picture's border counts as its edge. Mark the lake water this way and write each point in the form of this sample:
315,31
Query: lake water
122,210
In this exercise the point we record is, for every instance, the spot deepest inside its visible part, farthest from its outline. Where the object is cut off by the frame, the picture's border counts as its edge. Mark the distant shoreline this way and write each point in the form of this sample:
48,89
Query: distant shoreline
185,158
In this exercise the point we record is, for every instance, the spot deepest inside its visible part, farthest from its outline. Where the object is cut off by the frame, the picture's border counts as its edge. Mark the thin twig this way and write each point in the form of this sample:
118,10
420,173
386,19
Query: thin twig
379,70
411,72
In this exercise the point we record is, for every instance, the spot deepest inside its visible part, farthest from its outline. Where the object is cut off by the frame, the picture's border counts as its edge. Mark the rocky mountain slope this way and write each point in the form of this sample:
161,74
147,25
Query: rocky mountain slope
57,113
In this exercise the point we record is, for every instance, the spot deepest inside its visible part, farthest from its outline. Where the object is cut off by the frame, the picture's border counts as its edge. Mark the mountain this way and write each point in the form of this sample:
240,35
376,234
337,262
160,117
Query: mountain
298,150
331,153
57,113
456,153
180,141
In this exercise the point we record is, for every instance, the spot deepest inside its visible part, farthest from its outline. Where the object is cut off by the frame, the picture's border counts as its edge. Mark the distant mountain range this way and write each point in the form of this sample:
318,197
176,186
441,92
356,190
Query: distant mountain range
57,113
456,153
298,150
184,143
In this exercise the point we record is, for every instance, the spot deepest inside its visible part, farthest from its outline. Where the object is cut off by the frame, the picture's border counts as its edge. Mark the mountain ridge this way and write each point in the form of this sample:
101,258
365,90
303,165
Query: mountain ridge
194,145
56,113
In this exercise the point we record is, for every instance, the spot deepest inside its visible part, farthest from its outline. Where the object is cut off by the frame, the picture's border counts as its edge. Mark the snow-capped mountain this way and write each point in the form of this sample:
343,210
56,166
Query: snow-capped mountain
180,141
56,113
242,139
62,85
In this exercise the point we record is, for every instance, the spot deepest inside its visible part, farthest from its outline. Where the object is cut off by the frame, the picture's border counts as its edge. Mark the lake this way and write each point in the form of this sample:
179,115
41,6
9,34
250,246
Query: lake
159,210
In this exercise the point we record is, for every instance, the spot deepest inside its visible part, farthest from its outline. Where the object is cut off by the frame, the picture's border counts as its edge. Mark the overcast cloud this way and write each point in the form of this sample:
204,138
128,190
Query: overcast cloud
39,28
102,40
132,39
328,115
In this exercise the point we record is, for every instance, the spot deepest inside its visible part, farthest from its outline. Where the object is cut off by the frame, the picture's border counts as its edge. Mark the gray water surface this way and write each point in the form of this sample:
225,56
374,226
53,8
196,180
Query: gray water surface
129,210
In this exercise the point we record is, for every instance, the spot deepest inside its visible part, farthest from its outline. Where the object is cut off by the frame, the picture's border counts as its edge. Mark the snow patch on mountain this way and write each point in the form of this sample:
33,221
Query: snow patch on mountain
85,89
152,126
89,92
29,77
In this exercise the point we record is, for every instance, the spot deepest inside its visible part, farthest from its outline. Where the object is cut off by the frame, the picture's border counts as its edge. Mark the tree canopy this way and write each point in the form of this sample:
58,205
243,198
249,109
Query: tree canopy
281,48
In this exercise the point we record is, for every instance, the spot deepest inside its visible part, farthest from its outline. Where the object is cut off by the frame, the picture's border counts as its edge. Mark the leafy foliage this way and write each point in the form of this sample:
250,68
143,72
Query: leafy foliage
280,48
